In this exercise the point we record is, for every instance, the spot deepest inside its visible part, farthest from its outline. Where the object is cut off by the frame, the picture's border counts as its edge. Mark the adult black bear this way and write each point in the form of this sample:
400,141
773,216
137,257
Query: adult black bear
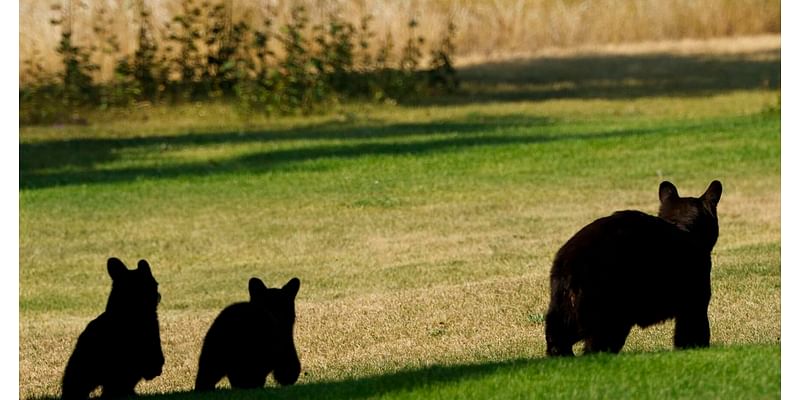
123,344
249,340
631,268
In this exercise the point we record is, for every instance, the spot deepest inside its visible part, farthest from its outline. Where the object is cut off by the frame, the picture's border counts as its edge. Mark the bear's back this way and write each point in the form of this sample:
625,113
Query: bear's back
240,327
630,244
237,317
634,262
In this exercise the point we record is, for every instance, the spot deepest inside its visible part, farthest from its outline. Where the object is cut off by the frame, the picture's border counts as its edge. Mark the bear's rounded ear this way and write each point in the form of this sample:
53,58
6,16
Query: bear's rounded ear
667,191
256,287
115,268
292,287
713,193
144,266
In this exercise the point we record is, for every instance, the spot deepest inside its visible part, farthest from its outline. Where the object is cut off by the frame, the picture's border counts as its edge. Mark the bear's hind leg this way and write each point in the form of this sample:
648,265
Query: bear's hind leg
119,388
560,332
80,379
74,390
692,330
208,374
288,369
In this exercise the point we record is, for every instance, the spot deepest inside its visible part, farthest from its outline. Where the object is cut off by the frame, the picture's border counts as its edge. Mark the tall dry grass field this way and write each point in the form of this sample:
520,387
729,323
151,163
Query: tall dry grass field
485,27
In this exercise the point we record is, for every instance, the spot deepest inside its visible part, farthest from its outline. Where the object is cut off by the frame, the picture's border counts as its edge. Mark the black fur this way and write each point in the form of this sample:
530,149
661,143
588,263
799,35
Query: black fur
249,340
630,269
123,344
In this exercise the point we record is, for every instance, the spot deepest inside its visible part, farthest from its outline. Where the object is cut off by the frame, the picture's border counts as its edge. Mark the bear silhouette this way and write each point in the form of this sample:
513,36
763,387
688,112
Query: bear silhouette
122,345
631,268
249,340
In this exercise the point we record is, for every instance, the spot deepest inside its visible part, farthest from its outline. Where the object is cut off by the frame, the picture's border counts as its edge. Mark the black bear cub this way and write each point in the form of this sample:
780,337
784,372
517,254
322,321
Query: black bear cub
249,340
630,269
123,344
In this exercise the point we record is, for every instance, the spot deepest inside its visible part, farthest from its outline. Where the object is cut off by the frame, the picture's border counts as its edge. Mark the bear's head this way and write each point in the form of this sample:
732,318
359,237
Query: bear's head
697,215
132,290
277,304
277,308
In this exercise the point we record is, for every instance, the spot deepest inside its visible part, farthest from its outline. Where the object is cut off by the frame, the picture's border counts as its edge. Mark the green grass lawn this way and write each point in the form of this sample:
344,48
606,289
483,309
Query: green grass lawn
422,235
742,372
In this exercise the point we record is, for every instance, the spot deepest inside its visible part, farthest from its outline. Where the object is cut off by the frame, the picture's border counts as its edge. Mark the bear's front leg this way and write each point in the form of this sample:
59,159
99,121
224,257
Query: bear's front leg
692,330
559,333
209,372
608,338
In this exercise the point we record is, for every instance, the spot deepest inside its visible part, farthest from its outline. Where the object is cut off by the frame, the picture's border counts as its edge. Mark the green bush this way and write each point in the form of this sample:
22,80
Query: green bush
295,68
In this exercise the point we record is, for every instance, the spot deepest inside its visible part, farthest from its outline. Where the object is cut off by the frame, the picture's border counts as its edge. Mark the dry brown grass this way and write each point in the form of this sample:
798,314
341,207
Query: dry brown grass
380,333
486,28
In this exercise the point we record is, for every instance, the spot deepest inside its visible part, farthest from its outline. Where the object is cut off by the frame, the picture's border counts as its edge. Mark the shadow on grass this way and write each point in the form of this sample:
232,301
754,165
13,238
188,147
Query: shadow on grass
76,161
72,161
367,387
694,373
86,152
616,77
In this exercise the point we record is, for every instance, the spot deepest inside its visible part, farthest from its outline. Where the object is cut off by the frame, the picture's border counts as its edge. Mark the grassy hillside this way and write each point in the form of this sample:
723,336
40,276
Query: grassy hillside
422,234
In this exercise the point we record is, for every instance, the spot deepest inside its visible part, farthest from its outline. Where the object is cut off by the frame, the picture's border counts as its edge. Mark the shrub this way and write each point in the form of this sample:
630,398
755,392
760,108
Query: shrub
207,55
